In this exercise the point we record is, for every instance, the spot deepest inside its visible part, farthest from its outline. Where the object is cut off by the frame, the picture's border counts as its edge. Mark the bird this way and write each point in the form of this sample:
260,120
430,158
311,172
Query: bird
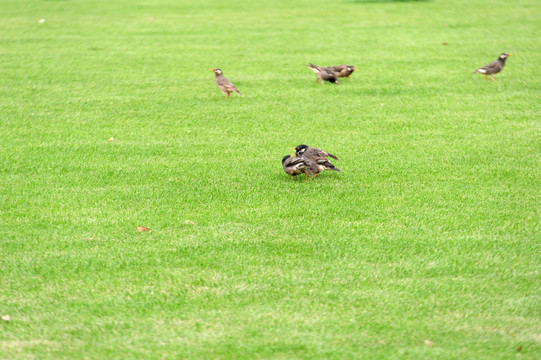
494,67
323,74
223,84
315,160
311,153
315,167
342,70
293,165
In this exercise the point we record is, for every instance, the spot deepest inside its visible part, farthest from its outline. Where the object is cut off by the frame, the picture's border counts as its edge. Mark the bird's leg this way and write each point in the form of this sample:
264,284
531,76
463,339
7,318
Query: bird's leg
305,177
486,77
492,77
292,177
313,176
317,81
349,76
227,96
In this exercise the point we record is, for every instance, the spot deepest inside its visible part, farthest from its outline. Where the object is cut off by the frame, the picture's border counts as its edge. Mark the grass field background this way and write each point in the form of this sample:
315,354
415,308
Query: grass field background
426,246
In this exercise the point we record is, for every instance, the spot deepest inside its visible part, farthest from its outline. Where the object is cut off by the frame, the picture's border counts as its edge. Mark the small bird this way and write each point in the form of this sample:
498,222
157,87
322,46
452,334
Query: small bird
342,70
225,85
293,165
323,74
311,153
315,160
494,67
314,167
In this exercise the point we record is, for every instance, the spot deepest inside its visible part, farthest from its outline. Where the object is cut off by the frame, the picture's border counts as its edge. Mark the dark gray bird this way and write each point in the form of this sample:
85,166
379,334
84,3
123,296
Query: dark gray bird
314,167
494,67
342,70
323,74
293,165
225,85
311,153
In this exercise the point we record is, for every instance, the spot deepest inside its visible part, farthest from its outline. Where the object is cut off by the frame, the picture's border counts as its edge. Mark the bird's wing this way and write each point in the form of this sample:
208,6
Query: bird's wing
495,65
318,153
324,162
328,165
315,153
333,71
292,161
224,82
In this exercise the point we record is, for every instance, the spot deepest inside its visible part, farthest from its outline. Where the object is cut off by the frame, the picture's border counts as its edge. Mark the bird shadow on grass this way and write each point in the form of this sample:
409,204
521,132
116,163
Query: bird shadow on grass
300,179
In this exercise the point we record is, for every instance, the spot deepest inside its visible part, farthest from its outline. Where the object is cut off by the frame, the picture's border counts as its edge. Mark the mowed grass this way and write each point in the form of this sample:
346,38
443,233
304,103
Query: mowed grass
426,246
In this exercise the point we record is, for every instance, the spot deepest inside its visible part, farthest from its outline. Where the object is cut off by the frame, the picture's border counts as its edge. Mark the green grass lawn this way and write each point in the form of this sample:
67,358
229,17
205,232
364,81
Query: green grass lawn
426,246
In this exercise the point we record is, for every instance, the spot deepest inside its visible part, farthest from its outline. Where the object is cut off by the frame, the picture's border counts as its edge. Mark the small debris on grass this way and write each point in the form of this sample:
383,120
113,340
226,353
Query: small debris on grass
6,318
143,229
444,43
189,222
428,343
41,21
111,139
519,349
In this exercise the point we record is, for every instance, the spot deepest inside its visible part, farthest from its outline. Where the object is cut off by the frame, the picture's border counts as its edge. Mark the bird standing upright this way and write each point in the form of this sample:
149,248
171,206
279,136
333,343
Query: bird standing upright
494,67
223,84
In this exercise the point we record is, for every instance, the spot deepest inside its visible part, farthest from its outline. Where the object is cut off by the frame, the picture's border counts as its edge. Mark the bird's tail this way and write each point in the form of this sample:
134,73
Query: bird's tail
331,155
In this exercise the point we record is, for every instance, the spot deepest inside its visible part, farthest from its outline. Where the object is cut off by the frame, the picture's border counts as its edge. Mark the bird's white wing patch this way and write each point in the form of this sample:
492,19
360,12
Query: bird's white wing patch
482,71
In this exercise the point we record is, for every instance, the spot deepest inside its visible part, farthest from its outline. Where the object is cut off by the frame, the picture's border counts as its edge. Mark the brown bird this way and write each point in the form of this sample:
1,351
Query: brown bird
342,70
311,153
293,165
494,67
315,160
225,85
323,74
315,167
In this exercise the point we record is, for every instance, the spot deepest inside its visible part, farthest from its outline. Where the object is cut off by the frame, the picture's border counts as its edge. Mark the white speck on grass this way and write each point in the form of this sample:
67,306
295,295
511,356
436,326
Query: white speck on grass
42,21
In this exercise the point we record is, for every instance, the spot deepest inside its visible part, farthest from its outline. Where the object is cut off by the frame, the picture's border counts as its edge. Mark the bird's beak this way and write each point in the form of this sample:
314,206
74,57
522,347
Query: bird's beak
211,69
293,149
355,70
510,54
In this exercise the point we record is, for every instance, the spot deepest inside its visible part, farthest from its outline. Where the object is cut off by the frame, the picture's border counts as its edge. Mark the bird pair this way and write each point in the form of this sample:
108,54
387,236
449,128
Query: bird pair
332,73
308,160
